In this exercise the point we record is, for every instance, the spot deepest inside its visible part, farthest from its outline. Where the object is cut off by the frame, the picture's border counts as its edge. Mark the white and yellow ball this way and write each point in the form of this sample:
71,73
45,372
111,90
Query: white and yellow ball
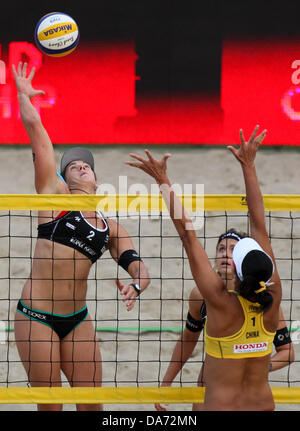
56,34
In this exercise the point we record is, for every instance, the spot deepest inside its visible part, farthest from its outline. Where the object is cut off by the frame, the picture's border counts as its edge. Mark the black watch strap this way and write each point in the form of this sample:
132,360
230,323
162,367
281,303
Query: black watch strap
136,287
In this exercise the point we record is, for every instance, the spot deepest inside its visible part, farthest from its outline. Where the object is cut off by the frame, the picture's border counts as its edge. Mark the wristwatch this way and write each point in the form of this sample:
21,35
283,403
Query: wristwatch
137,288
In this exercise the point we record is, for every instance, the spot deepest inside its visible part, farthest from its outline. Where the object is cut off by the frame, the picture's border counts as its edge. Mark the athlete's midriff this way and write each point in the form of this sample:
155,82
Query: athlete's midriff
237,384
58,280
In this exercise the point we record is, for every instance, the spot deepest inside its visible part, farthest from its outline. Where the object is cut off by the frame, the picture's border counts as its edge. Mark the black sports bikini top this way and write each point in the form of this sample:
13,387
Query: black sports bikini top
70,228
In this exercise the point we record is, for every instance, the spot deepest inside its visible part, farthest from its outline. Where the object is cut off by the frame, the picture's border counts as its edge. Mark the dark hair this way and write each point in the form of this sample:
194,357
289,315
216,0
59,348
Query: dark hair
233,234
257,268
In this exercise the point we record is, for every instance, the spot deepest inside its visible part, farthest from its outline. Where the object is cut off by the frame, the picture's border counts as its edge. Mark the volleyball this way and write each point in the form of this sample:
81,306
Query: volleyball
56,34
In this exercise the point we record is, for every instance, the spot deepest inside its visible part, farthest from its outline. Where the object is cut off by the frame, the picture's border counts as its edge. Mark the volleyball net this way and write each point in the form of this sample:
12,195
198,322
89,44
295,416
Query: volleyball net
136,346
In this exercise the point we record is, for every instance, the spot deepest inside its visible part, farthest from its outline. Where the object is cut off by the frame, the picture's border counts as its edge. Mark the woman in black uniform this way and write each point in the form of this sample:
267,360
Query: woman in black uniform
196,317
53,329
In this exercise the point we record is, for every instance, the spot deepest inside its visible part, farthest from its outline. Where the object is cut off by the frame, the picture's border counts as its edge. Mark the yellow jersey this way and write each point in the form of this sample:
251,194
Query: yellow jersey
251,341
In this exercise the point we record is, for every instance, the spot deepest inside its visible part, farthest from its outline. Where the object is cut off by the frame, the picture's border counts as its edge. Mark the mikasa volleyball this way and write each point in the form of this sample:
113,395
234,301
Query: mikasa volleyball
56,34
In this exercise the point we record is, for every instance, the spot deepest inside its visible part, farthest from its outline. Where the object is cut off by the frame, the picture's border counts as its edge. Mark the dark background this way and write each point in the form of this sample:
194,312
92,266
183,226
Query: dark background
178,43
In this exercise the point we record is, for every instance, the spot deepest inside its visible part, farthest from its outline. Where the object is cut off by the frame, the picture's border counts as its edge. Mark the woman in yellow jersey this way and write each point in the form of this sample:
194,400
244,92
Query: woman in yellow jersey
241,324
284,353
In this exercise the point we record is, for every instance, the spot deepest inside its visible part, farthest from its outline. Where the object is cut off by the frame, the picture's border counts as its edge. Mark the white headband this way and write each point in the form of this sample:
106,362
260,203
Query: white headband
241,249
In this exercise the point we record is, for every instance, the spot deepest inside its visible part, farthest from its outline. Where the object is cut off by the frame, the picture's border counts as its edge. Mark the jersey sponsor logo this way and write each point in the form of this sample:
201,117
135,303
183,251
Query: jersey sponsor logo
251,347
71,226
103,249
81,245
34,314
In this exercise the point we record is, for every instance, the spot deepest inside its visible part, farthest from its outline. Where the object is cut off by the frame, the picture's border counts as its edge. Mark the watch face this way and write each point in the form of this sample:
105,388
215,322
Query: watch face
137,287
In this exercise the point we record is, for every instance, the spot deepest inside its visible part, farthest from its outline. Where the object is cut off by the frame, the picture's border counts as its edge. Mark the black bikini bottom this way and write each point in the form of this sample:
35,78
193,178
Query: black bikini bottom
60,323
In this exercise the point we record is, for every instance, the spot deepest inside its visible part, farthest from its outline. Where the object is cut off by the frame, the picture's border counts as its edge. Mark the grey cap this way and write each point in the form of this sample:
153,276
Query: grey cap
76,153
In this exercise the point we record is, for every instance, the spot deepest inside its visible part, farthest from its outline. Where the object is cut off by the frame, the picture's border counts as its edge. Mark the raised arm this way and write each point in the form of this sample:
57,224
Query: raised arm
46,179
285,352
207,280
187,341
245,154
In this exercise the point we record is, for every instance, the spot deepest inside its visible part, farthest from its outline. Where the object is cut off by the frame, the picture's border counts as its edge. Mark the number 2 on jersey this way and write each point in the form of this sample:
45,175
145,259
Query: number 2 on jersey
91,235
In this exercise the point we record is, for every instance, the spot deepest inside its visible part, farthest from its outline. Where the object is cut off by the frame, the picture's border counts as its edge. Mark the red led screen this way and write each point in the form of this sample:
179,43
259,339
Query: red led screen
261,85
91,97
86,93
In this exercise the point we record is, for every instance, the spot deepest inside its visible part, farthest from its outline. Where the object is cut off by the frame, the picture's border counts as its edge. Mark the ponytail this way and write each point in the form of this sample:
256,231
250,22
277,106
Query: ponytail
250,288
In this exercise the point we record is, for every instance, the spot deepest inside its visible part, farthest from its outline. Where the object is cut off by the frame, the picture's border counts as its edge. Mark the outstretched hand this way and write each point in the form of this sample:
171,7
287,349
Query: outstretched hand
23,83
161,406
246,153
129,294
155,168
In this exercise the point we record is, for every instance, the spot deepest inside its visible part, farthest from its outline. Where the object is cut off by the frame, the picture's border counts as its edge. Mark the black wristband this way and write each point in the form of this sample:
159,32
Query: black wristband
194,325
282,337
127,257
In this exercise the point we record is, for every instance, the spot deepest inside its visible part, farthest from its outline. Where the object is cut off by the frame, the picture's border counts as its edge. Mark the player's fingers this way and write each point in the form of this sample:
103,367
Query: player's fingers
39,93
119,284
137,157
261,137
133,164
150,157
166,157
242,137
24,70
31,74
14,71
160,408
130,305
130,302
232,149
254,133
